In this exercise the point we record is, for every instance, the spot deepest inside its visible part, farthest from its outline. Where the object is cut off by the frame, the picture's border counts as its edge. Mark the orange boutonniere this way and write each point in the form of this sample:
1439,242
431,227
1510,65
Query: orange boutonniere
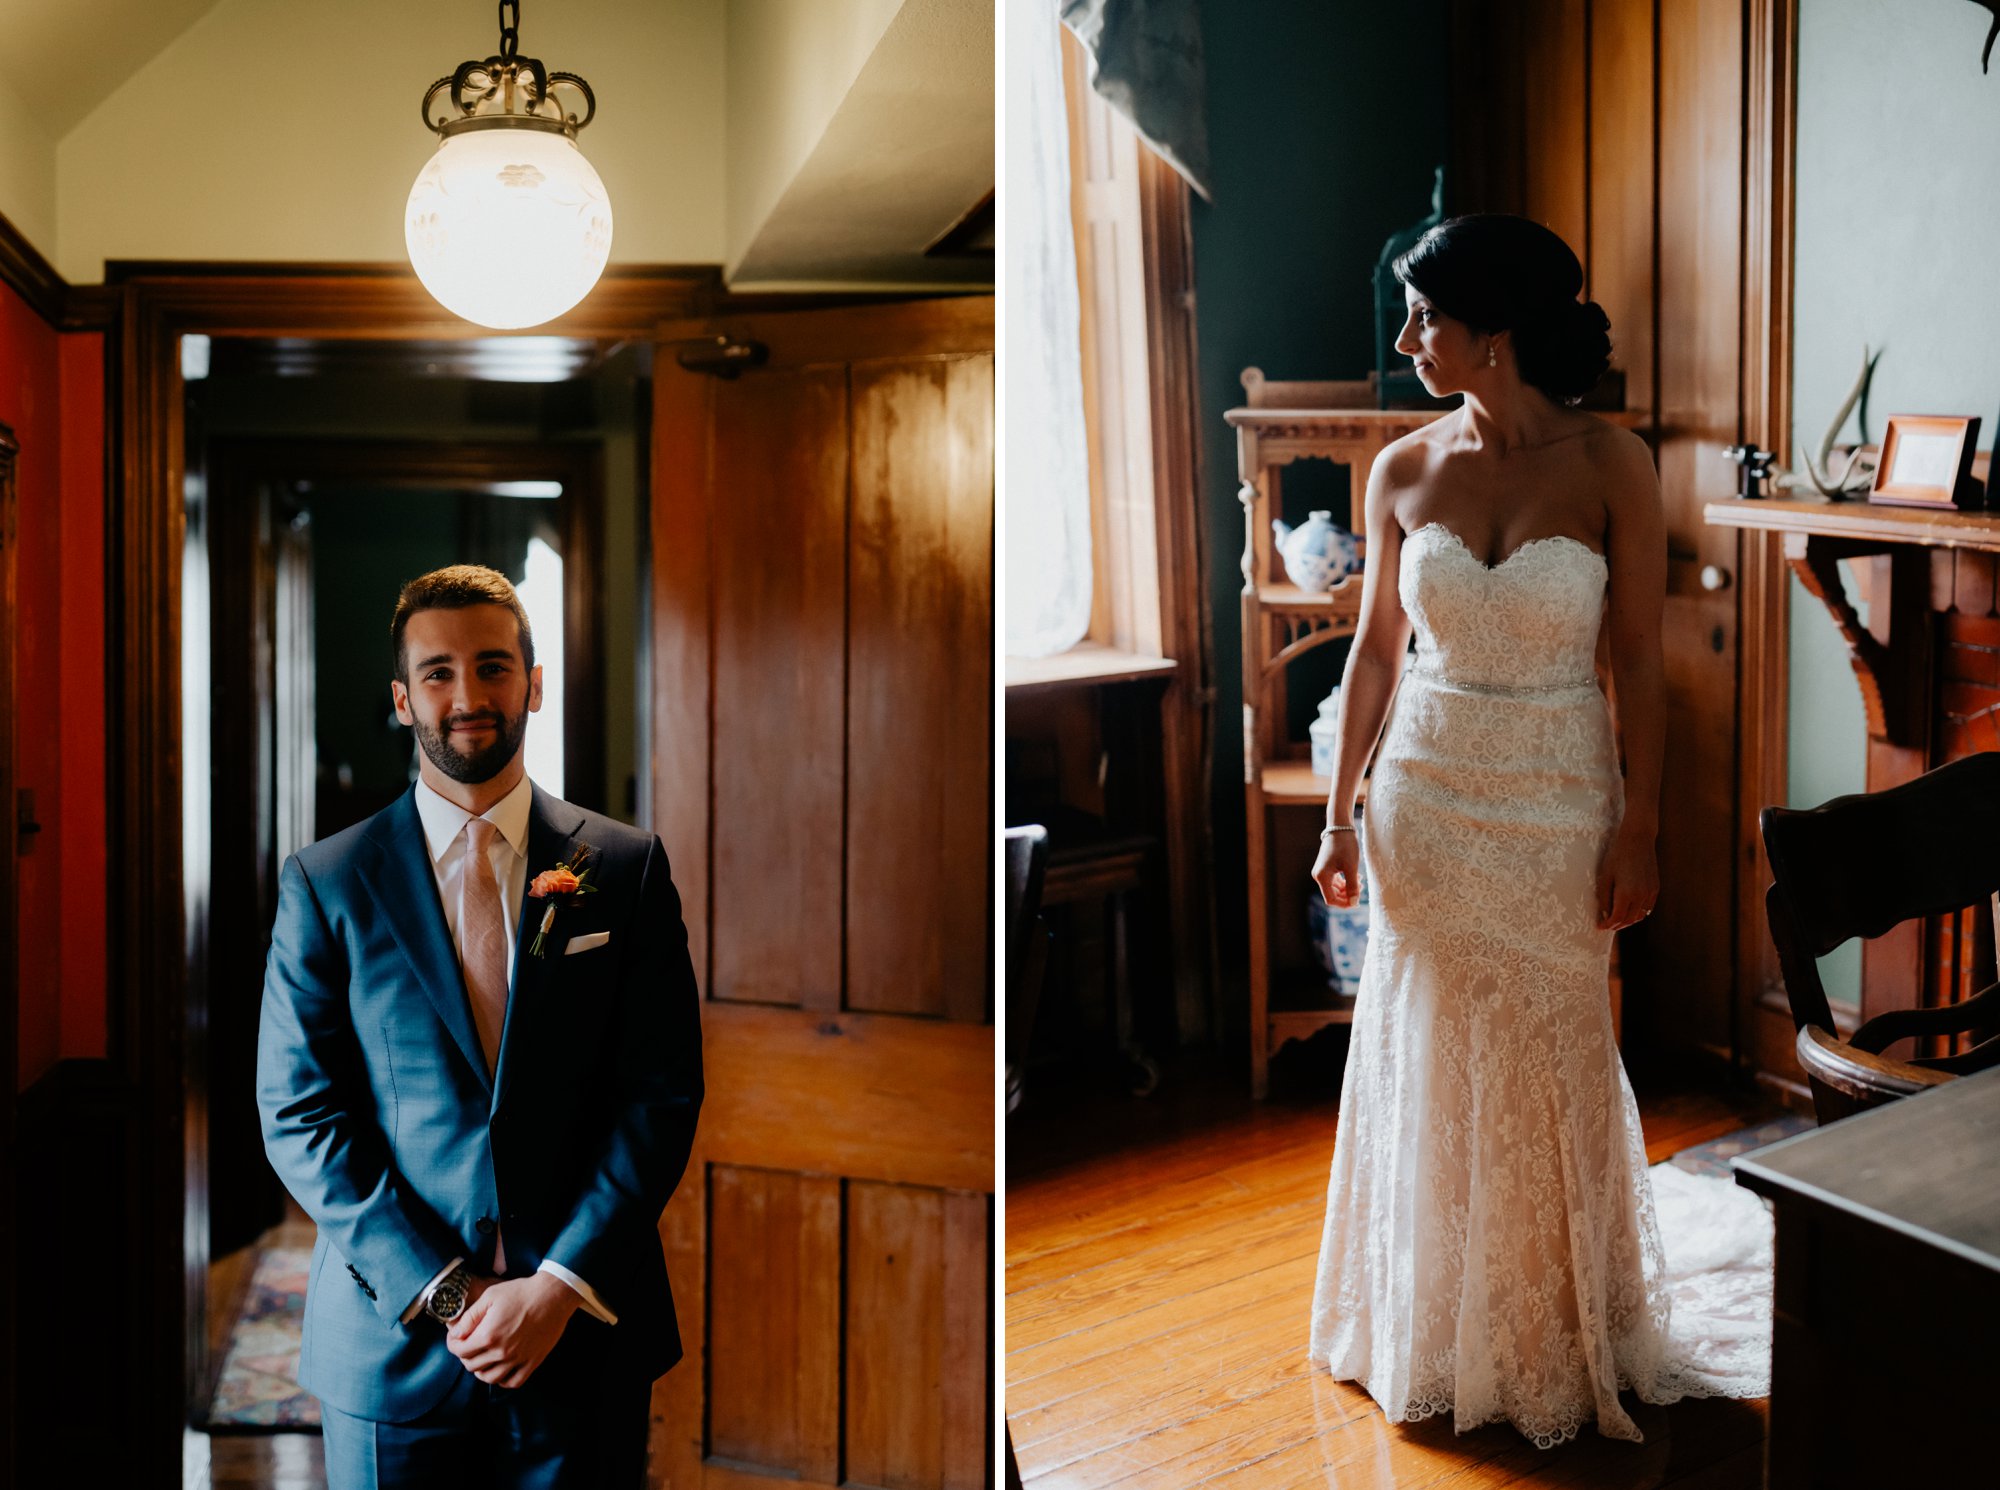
560,886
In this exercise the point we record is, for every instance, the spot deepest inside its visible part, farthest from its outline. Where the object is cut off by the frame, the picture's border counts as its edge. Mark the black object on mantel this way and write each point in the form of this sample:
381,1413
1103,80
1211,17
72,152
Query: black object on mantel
1755,465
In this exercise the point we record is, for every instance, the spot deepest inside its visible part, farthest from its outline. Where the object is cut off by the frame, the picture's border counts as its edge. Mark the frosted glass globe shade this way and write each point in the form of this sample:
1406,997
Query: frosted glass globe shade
508,227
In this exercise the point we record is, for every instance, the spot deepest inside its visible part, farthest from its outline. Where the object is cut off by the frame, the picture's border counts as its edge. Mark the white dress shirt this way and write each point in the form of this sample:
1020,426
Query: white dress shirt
444,834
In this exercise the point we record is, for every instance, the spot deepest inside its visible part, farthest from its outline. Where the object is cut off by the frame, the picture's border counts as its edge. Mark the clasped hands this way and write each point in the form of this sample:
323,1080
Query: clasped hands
510,1325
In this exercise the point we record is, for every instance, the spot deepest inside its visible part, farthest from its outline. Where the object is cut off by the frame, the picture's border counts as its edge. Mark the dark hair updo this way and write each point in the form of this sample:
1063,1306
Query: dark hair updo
1496,272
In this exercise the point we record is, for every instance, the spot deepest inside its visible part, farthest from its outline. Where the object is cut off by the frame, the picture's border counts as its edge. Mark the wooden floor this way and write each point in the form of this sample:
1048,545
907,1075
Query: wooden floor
1160,1263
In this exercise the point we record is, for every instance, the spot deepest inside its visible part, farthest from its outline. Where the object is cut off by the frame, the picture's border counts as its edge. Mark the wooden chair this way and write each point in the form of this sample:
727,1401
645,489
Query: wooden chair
1858,866
1027,946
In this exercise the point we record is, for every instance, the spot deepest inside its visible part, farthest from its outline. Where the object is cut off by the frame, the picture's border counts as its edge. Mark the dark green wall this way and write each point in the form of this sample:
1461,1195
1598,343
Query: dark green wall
1325,122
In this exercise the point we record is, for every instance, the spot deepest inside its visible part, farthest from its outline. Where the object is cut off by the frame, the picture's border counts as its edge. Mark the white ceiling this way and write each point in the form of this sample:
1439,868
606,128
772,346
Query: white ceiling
908,153
65,57
145,153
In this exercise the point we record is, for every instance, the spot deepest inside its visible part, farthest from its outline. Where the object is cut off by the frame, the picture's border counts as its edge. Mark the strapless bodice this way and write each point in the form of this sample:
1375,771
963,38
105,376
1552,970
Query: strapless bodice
1529,623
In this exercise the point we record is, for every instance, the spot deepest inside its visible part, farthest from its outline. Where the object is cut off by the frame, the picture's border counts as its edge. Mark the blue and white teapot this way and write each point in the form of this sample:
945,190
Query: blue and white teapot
1318,554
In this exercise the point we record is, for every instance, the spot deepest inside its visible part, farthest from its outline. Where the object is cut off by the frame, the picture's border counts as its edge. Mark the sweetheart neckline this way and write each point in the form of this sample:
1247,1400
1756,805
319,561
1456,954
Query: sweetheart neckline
1513,553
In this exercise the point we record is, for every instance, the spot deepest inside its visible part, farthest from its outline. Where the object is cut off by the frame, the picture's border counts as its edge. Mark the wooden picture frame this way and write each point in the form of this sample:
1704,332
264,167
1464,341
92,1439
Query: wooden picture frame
1926,461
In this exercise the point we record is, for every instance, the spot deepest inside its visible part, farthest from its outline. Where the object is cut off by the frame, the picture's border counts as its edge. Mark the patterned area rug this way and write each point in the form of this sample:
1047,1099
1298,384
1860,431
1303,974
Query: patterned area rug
260,1370
1711,1159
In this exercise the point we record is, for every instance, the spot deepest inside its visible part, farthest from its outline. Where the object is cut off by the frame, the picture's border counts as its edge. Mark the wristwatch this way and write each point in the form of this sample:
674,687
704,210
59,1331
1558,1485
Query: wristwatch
449,1296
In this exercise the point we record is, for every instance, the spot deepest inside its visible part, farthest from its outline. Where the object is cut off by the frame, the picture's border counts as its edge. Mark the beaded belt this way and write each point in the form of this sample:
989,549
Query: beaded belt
1430,676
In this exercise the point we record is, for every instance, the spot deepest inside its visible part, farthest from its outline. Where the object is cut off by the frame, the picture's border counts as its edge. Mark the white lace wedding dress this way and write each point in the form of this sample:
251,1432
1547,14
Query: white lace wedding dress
1495,1246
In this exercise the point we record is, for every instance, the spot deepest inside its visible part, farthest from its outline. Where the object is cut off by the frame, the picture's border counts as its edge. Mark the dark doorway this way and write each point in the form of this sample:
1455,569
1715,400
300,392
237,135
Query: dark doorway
321,477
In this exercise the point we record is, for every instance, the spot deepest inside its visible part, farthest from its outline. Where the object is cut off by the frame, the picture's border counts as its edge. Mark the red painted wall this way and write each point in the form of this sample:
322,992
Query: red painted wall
85,967
52,395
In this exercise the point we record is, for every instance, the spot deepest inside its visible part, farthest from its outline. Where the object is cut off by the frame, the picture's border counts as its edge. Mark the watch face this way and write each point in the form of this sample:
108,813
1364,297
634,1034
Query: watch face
448,1299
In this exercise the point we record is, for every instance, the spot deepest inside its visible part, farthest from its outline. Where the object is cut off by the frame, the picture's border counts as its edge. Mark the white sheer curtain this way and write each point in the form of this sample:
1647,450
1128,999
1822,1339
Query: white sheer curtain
1047,500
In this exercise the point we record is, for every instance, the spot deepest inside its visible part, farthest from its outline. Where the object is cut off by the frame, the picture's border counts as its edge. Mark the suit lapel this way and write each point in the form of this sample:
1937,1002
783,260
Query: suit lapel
406,888
552,823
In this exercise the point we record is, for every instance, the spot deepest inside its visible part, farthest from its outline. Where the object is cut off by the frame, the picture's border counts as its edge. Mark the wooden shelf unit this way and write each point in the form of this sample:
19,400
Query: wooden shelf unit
1282,623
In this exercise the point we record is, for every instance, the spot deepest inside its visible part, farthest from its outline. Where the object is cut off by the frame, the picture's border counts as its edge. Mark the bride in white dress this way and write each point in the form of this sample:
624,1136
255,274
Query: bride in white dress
1494,1245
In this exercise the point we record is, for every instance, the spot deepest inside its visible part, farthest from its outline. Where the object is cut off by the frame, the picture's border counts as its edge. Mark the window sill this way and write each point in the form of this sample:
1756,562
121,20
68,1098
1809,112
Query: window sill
1084,666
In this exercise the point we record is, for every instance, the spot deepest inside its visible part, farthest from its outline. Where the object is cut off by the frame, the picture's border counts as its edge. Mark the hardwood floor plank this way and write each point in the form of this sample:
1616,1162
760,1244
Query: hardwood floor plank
1160,1267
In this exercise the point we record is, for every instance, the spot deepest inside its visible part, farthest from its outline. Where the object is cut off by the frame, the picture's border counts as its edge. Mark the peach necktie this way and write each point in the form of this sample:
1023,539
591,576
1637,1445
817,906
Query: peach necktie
482,928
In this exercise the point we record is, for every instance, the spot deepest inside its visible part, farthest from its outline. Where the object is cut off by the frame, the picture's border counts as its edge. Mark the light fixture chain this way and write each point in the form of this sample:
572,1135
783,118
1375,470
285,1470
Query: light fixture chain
510,27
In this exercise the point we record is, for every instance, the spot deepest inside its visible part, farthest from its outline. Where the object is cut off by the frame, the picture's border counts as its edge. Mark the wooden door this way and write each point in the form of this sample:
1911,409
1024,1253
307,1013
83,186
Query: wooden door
822,692
1688,947
1619,123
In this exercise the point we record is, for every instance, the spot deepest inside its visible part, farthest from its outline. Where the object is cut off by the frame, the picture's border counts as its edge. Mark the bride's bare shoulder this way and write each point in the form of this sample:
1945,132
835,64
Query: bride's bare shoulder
1407,459
1621,451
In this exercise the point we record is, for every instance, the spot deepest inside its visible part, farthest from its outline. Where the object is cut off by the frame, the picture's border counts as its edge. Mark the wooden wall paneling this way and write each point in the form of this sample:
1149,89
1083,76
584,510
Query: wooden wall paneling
681,605
843,529
774,1327
1556,75
779,511
920,688
967,1387
1490,92
1687,965
873,1096
1619,261
677,1435
905,1420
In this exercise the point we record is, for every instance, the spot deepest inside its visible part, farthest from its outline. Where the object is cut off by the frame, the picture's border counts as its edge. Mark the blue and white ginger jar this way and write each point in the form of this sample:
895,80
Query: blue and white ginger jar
1318,553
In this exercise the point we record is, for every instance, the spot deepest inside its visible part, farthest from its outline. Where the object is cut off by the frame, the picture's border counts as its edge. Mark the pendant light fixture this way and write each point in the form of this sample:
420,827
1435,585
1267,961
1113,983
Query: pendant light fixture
508,225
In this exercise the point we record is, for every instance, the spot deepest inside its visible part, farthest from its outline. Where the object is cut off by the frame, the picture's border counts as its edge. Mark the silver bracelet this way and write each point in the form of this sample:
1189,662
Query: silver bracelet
1336,828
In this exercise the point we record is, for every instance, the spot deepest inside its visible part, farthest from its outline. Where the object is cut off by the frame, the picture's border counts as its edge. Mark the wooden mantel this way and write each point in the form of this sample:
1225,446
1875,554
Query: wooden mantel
1928,661
1924,548
1822,517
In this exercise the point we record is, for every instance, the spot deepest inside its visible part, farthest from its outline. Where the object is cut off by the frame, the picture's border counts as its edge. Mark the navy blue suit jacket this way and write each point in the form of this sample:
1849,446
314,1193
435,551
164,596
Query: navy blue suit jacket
380,1118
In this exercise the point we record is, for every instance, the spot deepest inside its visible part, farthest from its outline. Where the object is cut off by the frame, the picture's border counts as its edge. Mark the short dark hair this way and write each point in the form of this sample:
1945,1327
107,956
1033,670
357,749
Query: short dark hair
1498,272
454,588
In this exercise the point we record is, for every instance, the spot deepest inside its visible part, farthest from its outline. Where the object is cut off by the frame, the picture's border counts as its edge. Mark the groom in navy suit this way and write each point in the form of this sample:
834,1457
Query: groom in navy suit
479,1066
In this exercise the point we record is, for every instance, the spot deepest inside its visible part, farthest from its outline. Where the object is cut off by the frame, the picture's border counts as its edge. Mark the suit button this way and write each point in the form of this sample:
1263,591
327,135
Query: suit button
484,1225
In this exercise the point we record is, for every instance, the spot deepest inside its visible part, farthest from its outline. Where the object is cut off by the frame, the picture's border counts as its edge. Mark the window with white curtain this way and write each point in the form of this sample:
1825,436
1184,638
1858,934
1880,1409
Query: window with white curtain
1047,501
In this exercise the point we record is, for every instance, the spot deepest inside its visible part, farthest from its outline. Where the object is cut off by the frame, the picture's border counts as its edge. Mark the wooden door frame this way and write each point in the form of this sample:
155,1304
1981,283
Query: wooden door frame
152,306
1770,122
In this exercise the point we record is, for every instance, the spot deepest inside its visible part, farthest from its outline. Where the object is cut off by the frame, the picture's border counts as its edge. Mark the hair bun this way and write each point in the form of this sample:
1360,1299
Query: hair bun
1498,272
1566,351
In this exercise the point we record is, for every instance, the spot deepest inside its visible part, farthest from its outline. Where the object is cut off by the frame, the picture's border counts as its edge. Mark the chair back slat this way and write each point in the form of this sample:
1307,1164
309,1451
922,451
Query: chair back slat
1859,865
1027,947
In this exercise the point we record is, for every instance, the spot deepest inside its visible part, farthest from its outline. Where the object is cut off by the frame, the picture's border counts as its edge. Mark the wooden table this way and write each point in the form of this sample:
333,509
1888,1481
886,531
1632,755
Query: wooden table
1886,1344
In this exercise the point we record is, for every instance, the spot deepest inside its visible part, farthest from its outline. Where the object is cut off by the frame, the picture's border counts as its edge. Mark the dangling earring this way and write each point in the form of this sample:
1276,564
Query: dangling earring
1492,357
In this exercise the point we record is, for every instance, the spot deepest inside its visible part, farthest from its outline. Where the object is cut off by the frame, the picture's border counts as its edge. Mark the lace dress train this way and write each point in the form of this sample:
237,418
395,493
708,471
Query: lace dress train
1495,1245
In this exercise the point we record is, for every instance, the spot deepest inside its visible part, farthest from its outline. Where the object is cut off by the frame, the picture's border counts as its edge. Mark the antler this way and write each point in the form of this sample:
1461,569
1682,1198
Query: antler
1820,471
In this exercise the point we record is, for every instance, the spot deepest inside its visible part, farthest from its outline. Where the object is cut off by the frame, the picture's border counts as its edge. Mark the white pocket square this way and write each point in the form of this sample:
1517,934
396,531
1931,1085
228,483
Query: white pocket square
585,943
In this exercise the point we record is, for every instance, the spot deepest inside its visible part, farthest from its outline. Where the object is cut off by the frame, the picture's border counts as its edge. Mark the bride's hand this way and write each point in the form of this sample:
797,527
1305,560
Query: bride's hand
1337,870
1628,882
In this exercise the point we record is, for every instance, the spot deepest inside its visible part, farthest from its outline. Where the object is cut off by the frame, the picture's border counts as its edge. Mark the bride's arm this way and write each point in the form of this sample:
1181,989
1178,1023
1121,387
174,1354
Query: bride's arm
1636,553
1374,663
